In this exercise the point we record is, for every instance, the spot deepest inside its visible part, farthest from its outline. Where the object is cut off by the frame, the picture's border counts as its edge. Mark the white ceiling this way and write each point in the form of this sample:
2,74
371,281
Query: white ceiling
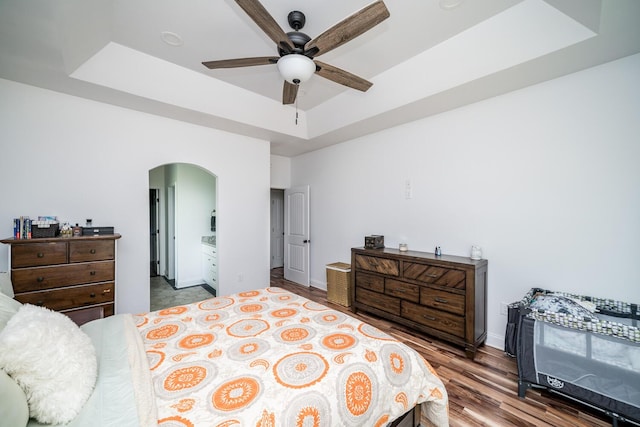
428,57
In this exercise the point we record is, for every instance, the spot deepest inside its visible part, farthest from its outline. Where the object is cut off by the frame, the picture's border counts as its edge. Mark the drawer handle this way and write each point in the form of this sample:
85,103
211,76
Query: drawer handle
40,255
106,291
40,279
92,295
429,317
40,303
432,275
92,251
92,272
441,300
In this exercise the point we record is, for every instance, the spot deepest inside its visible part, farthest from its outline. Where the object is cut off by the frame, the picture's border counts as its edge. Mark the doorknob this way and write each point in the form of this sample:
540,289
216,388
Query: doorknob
306,241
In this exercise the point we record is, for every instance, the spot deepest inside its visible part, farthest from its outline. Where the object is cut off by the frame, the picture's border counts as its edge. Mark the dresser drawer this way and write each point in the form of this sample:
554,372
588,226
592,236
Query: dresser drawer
379,265
38,278
442,300
369,281
435,319
91,250
209,250
209,260
71,297
83,315
379,301
404,290
435,275
36,254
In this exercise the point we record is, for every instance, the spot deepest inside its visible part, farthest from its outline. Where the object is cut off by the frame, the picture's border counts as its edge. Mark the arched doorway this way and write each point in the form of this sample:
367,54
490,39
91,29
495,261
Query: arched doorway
182,198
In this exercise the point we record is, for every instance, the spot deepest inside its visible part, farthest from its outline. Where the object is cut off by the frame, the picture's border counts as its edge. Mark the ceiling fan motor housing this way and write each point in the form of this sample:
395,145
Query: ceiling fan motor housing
296,19
298,39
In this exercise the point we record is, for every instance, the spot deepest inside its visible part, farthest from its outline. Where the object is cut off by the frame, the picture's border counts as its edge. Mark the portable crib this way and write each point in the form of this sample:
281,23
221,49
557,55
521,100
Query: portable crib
585,348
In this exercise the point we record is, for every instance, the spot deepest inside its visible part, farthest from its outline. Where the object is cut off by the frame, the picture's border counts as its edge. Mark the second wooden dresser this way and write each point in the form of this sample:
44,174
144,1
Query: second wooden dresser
73,275
444,296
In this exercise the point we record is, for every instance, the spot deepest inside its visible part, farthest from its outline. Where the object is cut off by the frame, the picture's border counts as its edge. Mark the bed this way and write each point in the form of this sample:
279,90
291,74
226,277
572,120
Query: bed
585,348
262,358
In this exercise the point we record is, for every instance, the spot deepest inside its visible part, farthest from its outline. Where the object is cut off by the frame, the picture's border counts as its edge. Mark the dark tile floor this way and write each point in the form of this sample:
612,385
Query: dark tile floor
164,295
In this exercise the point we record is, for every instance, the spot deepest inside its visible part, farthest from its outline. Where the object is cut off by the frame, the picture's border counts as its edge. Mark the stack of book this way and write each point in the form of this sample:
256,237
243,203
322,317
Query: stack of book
22,227
25,228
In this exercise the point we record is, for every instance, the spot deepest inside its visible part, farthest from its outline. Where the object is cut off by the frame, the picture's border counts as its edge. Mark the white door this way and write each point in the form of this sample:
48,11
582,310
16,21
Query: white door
296,235
277,228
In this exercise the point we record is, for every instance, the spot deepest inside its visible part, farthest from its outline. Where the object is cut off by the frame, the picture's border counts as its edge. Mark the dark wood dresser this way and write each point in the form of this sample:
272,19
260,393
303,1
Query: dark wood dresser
74,275
443,296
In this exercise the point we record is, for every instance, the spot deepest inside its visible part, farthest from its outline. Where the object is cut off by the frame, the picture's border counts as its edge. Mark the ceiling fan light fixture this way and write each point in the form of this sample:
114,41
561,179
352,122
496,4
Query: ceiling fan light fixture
296,68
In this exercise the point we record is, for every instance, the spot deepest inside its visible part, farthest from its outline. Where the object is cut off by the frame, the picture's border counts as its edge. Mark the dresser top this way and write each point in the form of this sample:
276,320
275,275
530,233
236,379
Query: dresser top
12,241
418,255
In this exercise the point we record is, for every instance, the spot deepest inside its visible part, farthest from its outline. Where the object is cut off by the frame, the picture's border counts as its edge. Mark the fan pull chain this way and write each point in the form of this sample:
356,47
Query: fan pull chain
296,111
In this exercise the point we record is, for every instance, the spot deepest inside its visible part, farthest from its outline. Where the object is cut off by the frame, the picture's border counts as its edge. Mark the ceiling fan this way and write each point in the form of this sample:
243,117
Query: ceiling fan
297,50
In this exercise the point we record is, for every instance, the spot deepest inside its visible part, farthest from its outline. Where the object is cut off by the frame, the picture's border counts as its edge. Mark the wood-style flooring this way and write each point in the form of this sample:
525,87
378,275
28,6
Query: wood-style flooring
482,392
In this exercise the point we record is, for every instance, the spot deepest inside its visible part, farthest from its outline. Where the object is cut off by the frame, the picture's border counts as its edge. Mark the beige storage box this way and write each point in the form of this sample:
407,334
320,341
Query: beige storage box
339,283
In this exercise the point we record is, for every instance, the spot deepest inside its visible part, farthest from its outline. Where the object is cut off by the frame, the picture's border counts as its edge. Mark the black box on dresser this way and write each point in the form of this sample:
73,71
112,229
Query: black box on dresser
374,241
97,231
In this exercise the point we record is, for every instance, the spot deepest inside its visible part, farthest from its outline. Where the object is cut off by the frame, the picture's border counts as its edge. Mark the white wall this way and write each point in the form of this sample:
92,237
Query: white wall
546,180
280,172
75,158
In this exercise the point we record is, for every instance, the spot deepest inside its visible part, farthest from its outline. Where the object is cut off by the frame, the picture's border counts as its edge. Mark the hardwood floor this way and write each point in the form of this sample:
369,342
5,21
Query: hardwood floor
482,392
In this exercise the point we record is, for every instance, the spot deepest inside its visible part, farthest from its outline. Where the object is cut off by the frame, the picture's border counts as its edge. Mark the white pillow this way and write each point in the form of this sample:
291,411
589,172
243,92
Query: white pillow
8,308
51,359
5,284
14,410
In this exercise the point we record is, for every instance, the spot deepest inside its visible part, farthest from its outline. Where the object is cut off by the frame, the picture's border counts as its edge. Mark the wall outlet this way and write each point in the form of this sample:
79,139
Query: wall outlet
408,190
503,308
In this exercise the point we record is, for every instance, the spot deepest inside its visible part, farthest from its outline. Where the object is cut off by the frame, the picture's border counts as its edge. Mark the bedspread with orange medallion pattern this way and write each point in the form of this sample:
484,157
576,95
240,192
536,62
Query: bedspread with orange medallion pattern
269,358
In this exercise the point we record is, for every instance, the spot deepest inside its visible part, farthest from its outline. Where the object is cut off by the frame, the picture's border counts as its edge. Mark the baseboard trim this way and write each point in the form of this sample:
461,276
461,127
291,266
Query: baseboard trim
209,289
318,284
204,286
495,340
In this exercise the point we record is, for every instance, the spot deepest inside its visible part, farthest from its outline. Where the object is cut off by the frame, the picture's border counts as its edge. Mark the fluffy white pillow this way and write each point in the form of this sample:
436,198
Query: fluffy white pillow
51,359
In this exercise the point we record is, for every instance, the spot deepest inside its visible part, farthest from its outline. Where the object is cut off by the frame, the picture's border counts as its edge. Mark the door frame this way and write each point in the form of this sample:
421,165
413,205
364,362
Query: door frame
171,233
277,230
154,229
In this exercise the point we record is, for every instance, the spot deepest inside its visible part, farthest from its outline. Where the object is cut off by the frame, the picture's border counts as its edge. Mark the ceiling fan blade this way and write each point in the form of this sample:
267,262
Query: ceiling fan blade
289,93
342,77
241,62
349,28
265,21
